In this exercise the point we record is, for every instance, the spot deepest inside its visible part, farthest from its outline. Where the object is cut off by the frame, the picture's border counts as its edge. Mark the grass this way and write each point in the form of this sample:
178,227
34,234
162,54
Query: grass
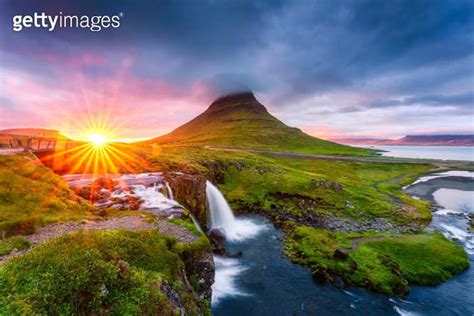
385,263
100,272
247,124
425,259
32,196
8,245
256,179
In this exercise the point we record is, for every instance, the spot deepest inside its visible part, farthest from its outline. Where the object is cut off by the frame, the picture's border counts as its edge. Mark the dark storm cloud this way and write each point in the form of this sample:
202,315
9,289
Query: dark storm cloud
393,52
306,46
457,100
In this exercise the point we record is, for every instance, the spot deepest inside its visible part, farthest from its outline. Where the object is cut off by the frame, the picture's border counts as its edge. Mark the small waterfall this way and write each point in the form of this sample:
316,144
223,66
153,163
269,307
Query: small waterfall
170,192
196,223
220,216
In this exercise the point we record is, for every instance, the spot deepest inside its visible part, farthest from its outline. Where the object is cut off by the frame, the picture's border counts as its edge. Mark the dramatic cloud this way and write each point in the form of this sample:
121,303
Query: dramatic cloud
350,67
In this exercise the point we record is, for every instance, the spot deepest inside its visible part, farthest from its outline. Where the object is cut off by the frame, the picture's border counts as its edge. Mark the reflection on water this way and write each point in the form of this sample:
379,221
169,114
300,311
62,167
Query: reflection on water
456,200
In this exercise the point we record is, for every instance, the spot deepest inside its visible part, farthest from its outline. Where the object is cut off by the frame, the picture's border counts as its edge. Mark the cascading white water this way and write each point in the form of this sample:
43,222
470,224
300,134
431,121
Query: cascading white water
236,229
170,192
220,216
196,223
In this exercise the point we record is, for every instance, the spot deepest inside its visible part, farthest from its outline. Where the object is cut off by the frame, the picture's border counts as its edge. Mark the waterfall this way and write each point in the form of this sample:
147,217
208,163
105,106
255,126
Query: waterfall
170,192
196,223
220,216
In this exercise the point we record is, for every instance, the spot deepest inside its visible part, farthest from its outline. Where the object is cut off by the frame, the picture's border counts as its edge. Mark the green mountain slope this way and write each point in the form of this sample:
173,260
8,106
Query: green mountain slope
239,120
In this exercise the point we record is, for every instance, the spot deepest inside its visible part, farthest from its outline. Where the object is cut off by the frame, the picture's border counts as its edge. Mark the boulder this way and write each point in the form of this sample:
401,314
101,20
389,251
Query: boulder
339,254
217,239
321,276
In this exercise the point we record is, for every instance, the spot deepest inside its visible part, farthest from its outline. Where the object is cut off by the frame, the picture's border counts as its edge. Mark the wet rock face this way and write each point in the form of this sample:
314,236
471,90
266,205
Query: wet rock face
190,191
201,267
216,171
279,213
217,239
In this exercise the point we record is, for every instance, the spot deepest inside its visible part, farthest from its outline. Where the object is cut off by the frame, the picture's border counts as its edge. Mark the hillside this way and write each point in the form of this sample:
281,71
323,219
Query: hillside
240,120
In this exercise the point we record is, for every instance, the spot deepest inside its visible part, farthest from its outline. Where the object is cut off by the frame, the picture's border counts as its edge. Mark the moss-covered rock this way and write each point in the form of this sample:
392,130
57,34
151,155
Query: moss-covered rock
385,263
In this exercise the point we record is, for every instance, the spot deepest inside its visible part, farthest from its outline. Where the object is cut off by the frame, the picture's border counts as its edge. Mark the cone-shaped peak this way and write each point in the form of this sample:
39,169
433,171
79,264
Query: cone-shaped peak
244,100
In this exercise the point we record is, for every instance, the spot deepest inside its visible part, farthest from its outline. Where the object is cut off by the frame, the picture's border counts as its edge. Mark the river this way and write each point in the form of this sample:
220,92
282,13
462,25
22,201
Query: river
264,282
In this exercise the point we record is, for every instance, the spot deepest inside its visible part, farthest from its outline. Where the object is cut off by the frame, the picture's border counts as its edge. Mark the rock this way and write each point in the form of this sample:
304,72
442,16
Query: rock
338,282
337,187
87,222
320,275
190,191
348,204
237,254
133,202
352,264
216,170
217,239
202,267
104,204
173,296
339,254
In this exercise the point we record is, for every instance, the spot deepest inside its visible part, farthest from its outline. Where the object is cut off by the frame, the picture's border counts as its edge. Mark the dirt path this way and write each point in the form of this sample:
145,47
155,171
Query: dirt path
127,222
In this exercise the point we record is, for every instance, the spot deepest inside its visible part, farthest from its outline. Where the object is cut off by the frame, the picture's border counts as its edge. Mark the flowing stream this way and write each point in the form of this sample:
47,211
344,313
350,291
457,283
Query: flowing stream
264,282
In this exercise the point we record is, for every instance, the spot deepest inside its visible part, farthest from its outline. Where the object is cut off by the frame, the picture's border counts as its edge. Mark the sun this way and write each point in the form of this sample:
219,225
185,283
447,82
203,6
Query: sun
97,140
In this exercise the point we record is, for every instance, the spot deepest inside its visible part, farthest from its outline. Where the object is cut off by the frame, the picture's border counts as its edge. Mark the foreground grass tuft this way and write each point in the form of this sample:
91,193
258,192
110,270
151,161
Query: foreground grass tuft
100,272
32,196
18,243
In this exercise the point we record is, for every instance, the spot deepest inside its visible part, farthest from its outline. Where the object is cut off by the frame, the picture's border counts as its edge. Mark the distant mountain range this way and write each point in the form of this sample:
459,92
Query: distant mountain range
240,120
413,140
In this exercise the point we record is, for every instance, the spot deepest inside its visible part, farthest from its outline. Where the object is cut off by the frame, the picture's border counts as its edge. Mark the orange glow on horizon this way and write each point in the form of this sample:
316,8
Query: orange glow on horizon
96,152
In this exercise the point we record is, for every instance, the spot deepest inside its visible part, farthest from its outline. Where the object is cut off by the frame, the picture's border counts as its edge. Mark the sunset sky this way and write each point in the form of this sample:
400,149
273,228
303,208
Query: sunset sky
332,68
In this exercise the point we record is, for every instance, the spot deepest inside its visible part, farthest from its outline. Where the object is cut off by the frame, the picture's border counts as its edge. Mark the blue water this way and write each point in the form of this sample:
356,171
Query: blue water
428,152
264,282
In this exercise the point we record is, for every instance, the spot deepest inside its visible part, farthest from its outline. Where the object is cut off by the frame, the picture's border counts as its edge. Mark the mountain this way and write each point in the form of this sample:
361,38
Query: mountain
414,140
240,120
434,140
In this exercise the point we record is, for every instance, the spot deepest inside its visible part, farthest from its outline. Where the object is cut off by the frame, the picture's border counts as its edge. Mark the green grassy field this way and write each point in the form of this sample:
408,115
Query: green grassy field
265,184
258,179
385,263
32,196
100,272
288,190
